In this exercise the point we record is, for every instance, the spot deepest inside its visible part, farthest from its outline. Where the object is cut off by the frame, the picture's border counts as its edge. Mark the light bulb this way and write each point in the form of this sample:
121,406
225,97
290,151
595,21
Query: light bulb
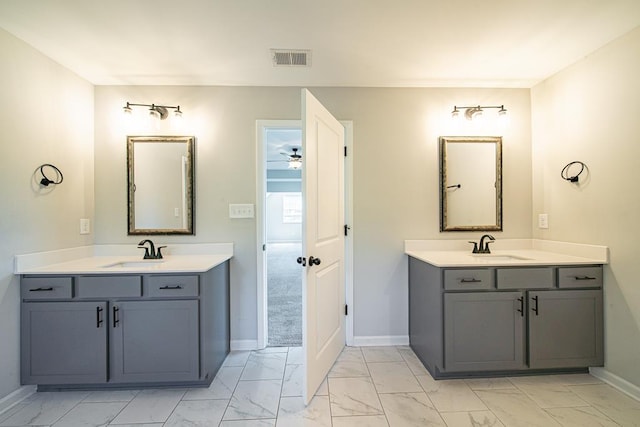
295,164
154,113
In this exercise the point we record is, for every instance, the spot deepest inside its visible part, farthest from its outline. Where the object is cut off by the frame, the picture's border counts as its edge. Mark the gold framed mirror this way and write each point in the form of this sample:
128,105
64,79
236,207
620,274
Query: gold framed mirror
470,183
160,178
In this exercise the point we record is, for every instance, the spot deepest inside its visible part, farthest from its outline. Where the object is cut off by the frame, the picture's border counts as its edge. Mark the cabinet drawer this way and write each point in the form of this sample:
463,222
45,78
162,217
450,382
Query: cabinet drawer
109,286
580,277
468,279
525,278
171,286
38,288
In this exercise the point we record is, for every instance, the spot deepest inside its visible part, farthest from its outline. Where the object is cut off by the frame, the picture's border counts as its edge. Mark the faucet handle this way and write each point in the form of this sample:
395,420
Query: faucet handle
486,246
159,253
475,247
146,252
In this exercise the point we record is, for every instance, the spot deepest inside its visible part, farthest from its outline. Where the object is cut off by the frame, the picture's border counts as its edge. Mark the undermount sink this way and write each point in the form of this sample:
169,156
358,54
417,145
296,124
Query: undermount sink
135,264
498,257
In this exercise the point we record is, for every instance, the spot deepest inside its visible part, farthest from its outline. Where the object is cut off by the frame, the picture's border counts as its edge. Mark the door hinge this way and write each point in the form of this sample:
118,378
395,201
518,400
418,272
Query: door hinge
346,310
345,151
264,247
346,229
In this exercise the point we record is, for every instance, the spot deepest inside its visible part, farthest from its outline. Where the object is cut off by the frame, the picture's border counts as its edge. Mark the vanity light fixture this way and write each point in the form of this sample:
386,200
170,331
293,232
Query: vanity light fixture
476,112
160,112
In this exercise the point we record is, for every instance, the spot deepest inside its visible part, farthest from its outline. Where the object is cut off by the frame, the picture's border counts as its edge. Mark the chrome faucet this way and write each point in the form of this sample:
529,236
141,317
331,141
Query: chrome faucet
482,247
150,252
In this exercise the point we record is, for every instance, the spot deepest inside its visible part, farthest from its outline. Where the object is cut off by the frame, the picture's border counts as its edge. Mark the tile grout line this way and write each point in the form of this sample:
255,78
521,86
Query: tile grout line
234,388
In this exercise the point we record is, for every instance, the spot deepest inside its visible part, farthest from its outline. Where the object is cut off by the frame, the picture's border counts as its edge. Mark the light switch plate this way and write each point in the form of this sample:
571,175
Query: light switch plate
85,226
241,210
543,220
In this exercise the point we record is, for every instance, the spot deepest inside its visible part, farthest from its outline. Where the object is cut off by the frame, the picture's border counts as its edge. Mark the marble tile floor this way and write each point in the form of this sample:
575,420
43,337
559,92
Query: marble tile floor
368,387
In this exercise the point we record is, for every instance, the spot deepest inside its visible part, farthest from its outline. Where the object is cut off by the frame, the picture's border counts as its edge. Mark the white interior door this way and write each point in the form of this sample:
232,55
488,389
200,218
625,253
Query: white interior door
323,288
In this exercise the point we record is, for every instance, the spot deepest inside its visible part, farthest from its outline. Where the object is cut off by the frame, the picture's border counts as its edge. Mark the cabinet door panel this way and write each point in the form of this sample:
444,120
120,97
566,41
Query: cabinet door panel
565,329
483,331
155,341
64,342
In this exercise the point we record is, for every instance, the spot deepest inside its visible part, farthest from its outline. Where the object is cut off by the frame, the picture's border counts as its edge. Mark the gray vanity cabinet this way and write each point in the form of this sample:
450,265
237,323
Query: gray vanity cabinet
154,341
124,330
64,342
565,328
483,331
499,320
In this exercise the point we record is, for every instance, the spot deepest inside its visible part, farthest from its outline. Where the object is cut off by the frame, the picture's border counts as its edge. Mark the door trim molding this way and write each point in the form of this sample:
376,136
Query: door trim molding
261,182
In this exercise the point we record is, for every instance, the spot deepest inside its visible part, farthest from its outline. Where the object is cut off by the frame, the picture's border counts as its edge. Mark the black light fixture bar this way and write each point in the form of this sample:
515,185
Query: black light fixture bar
160,111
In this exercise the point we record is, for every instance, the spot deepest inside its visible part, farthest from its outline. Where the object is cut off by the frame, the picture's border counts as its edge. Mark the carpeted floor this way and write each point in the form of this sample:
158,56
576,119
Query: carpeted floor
284,294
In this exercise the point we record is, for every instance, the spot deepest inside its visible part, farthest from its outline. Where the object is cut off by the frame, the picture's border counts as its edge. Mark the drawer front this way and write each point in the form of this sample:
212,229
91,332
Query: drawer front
109,286
525,278
580,277
468,279
171,286
42,288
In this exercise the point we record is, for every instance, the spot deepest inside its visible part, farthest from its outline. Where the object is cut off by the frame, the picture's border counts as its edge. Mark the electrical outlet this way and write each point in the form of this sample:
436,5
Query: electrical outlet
85,226
241,211
543,220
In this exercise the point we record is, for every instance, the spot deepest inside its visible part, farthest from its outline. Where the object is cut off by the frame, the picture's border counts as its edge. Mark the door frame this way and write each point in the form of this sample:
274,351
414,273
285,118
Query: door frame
261,184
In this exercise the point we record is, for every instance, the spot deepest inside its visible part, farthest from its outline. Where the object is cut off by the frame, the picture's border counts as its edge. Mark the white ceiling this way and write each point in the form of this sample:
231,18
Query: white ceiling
399,43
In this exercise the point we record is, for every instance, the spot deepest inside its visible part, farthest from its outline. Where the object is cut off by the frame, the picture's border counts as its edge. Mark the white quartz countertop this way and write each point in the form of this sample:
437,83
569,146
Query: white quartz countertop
130,264
113,259
519,253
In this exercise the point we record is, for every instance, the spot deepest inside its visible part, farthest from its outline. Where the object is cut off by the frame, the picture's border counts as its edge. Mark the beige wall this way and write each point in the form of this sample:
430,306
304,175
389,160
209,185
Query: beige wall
46,116
590,112
395,177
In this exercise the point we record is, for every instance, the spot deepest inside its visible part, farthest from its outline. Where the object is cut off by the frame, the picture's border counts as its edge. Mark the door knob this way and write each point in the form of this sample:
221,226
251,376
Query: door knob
302,261
314,261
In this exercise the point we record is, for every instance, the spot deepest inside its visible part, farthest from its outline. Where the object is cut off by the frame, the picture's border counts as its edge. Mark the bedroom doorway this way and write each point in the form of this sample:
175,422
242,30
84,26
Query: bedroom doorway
279,228
283,232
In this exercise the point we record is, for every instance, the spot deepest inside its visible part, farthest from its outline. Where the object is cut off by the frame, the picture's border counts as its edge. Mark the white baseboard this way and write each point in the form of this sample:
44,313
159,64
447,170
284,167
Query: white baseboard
617,382
16,397
237,345
383,340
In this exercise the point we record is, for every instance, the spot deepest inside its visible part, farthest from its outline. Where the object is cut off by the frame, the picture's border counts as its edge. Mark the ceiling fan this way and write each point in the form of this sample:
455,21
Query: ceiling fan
294,159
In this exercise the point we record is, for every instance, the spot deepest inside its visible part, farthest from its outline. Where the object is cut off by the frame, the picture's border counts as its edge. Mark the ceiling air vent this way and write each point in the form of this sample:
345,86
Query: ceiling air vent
291,58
